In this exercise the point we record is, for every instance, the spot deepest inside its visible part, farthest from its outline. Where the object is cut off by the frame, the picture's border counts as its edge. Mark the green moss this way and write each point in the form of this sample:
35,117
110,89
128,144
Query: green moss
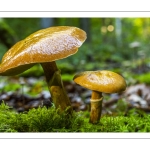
48,120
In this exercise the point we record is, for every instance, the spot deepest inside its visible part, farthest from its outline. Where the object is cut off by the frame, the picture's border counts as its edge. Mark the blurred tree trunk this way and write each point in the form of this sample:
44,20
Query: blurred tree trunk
118,30
47,22
85,24
103,30
145,28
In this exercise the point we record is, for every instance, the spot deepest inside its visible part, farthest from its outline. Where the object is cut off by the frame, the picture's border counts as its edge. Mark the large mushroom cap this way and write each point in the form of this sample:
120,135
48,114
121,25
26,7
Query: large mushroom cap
102,81
45,45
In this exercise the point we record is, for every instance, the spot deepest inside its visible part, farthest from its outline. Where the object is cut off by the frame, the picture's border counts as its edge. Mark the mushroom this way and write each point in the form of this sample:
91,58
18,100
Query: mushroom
45,47
99,82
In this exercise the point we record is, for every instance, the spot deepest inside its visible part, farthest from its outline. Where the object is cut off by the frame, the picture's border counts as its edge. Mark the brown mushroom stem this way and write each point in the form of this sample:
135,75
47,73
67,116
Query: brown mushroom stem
56,87
96,107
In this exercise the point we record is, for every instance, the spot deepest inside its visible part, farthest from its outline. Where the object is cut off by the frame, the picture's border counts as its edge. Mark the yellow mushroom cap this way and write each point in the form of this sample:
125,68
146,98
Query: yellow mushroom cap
102,81
45,45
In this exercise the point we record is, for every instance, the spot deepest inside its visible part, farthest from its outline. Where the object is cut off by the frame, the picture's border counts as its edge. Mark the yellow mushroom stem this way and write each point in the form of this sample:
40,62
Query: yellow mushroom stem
96,107
56,87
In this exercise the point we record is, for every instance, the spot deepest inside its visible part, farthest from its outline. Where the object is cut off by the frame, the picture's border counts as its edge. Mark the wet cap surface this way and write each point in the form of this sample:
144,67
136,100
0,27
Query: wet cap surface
102,81
45,45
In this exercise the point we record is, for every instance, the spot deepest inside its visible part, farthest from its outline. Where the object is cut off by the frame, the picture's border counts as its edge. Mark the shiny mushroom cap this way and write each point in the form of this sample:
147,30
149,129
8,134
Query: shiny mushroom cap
45,45
102,81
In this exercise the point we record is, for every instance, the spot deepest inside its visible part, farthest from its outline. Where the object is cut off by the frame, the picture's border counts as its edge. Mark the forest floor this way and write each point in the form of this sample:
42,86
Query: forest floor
34,93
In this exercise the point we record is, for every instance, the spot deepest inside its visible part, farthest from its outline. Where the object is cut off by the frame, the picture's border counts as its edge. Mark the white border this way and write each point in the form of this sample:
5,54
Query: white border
78,8
67,141
75,14
77,5
51,135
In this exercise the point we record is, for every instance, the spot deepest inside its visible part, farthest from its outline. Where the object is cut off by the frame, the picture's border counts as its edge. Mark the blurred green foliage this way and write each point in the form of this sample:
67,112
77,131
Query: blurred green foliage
144,78
107,47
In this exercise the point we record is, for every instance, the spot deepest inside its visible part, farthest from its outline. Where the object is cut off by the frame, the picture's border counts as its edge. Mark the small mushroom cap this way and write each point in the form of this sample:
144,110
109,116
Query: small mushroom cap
102,81
45,45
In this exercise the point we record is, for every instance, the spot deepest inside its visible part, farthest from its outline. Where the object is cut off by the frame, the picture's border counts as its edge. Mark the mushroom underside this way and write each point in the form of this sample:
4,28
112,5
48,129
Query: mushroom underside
16,70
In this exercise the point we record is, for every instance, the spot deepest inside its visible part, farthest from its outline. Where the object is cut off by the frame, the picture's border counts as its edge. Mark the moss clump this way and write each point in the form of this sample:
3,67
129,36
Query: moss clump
49,120
37,120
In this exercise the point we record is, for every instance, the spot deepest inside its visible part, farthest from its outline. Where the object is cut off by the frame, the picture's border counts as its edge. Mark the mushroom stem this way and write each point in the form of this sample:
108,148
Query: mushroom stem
96,107
56,87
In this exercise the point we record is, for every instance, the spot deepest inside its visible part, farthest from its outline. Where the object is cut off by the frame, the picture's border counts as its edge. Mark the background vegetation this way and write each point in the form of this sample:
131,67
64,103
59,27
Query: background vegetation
112,43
